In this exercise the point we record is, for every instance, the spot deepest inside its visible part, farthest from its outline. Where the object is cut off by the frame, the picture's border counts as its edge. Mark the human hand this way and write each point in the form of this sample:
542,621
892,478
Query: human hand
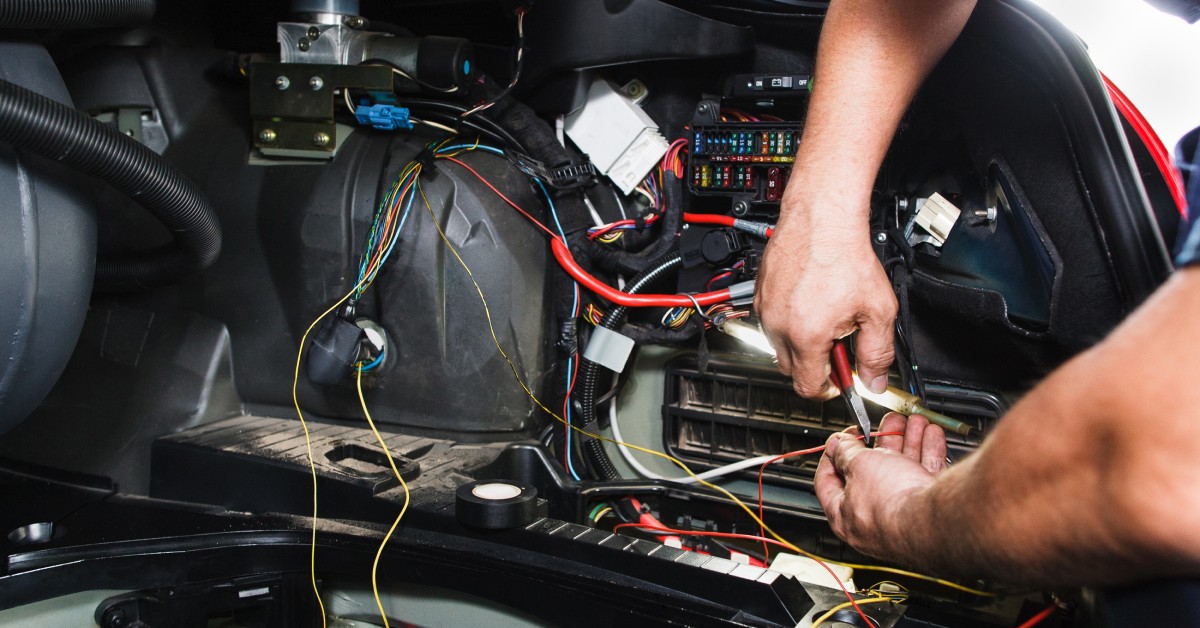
818,284
862,490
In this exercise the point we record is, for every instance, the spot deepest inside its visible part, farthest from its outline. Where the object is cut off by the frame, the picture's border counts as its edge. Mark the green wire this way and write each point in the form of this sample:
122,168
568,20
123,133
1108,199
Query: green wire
598,508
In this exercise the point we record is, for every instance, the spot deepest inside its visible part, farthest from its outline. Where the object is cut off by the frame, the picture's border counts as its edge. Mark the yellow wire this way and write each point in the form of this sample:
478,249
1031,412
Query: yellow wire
844,605
403,509
308,445
600,515
516,374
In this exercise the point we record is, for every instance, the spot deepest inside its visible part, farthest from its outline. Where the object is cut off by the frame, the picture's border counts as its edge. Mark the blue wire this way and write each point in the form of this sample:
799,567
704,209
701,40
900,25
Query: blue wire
395,237
374,363
412,195
574,313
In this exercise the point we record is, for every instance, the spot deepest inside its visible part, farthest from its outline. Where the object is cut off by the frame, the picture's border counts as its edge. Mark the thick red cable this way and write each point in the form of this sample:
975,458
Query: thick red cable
716,219
567,261
563,254
1154,144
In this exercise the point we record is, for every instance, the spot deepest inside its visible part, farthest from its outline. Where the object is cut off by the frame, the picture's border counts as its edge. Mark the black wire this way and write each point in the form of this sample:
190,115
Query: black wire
457,109
511,84
452,89
452,121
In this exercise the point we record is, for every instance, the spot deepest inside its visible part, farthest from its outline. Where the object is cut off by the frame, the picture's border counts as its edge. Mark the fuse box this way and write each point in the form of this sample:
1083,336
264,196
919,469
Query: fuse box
747,161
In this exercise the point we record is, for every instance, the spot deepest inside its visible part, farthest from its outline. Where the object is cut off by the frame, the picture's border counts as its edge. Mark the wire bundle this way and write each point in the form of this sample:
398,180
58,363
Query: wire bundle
385,228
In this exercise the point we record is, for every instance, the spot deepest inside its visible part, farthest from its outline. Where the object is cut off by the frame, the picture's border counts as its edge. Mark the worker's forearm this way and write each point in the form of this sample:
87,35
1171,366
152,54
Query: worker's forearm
872,57
1092,477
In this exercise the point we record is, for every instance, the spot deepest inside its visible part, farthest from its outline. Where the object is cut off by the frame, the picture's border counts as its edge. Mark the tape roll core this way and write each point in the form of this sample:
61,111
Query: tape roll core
495,504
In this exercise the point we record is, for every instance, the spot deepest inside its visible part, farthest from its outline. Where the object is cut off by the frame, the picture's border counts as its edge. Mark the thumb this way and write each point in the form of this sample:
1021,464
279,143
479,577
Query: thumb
875,350
842,449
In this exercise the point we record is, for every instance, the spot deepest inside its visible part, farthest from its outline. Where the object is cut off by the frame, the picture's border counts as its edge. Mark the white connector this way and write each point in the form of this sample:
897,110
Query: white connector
620,139
937,216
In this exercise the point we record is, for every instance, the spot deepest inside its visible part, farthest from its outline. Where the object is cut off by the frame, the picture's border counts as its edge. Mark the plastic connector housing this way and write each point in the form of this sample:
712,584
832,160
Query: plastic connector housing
383,117
621,140
938,216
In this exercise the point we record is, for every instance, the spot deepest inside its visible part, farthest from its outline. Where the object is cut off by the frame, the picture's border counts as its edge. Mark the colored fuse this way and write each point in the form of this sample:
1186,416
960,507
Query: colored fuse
749,178
774,184
698,147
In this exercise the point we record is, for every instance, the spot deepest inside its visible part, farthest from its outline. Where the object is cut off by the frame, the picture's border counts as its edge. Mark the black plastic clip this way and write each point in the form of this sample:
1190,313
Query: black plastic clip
572,175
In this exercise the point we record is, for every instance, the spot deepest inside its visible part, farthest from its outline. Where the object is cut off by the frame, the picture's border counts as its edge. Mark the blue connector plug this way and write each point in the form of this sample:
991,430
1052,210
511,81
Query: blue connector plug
383,117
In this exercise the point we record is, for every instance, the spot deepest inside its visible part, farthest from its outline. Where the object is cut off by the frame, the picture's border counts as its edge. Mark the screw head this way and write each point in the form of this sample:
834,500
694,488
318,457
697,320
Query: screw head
313,32
316,83
282,82
115,618
267,136
321,139
881,237
741,208
355,22
304,45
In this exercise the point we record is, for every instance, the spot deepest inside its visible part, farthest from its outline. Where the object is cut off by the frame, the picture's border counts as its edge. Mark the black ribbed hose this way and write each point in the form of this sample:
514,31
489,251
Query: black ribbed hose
41,126
589,371
74,13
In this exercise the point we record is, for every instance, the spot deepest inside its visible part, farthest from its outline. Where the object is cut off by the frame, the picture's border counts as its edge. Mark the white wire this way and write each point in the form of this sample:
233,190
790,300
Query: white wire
434,125
641,469
592,211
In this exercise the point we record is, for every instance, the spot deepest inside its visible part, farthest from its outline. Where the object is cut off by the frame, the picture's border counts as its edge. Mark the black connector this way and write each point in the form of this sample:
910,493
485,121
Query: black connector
333,351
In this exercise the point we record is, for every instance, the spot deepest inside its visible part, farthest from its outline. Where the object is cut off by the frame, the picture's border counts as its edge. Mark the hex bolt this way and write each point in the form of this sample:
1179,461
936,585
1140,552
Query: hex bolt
321,139
988,214
304,45
316,83
881,237
313,32
282,82
267,136
741,208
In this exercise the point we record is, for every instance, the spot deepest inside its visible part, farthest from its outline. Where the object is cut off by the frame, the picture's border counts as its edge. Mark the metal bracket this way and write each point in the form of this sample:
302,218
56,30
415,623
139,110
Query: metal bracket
292,104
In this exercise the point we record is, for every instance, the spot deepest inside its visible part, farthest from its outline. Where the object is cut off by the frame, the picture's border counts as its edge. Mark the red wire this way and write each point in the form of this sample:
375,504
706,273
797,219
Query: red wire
1040,617
651,219
501,195
791,454
748,537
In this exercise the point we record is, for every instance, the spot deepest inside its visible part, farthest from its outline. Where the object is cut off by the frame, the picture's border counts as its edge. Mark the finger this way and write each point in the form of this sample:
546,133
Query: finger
827,483
810,371
874,348
914,430
893,422
933,449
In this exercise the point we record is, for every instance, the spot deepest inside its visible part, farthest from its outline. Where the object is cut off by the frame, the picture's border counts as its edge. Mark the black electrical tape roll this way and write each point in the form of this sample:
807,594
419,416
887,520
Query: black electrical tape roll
495,504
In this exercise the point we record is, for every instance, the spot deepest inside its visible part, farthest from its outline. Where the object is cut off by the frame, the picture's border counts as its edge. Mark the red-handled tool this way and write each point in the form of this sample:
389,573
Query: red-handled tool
843,378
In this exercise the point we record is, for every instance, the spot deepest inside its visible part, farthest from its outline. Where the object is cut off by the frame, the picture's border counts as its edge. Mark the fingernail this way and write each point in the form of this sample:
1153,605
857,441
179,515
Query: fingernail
878,385
832,444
